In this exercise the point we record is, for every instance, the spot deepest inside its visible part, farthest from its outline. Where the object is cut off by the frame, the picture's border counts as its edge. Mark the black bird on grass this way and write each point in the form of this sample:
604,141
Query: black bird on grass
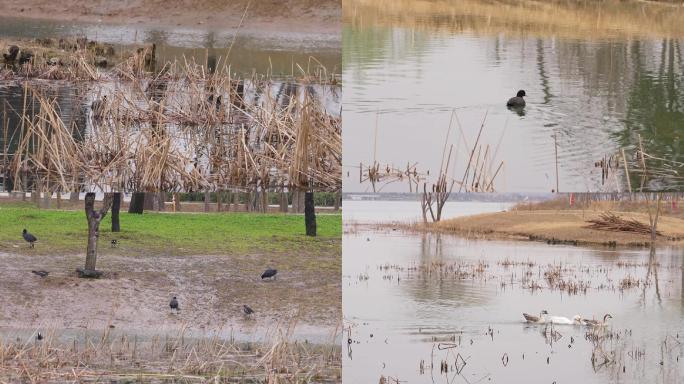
29,237
114,243
174,304
247,310
41,273
269,273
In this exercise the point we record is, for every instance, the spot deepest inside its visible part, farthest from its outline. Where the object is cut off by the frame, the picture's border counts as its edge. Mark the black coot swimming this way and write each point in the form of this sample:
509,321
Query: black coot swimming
517,101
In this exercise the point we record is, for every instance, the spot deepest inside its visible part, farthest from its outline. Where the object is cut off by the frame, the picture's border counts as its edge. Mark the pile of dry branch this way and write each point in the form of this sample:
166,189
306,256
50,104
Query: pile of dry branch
609,221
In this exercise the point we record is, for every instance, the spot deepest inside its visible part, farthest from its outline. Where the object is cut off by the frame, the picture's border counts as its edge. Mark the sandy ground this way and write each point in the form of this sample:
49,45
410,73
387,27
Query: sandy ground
560,226
135,292
303,16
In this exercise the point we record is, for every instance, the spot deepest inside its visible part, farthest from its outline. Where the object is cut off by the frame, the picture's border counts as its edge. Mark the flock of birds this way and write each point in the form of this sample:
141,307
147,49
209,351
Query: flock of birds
545,318
269,273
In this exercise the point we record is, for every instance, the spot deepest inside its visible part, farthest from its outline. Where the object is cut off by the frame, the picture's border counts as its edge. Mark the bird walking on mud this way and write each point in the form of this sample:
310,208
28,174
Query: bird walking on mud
28,237
247,310
269,273
174,304
41,273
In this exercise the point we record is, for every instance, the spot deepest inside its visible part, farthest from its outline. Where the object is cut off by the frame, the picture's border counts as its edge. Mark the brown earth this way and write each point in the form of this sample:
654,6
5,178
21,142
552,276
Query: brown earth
305,16
211,291
558,227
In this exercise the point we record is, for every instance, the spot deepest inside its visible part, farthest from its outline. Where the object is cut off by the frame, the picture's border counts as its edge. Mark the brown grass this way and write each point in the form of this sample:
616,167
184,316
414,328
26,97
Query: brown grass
574,19
557,227
167,359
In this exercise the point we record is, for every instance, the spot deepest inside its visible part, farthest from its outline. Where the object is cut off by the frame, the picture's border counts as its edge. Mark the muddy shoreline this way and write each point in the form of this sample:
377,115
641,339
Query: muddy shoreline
133,295
551,227
559,227
317,20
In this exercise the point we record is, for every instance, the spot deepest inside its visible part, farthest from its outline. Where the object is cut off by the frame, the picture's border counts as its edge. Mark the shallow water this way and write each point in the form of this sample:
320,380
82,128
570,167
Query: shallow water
276,54
595,94
406,296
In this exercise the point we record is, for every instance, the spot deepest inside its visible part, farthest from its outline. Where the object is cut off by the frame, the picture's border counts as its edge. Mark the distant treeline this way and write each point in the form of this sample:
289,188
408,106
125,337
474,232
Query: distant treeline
321,199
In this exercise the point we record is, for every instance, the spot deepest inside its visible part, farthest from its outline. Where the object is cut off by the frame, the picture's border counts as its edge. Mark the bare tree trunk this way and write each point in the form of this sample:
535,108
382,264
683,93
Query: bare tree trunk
310,214
219,197
73,197
94,218
137,204
116,207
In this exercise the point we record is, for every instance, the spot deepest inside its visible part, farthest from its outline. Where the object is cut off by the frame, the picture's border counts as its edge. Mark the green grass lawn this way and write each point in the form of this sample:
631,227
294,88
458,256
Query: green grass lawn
181,233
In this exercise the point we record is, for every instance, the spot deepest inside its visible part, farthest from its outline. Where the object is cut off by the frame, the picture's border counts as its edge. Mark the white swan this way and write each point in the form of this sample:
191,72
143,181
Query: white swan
560,320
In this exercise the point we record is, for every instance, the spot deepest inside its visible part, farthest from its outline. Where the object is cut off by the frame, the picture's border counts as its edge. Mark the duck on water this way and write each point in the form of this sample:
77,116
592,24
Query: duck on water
518,101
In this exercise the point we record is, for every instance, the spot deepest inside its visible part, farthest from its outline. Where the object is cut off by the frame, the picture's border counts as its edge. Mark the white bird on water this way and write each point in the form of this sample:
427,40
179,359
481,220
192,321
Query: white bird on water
544,318
560,320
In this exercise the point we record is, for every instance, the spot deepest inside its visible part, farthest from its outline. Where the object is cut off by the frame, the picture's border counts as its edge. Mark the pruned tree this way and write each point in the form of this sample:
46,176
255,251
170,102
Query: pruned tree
94,218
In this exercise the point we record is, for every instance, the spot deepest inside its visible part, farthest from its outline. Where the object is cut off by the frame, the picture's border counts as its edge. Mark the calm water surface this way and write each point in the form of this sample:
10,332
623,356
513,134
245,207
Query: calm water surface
410,299
275,53
596,95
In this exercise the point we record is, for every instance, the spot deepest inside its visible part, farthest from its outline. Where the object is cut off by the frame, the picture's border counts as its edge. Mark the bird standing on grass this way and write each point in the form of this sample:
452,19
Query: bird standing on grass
114,243
247,310
41,273
29,237
174,304
269,273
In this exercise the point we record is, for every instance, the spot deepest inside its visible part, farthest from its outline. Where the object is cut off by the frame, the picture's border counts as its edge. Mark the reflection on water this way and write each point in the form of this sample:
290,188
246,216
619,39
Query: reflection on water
596,95
430,298
263,53
74,100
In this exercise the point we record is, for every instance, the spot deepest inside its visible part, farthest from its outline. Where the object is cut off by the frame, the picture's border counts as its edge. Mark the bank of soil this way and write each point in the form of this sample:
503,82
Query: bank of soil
558,227
135,291
299,16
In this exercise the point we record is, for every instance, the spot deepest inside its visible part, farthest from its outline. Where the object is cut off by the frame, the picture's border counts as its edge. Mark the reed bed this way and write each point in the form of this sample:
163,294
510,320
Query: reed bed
184,129
120,358
571,19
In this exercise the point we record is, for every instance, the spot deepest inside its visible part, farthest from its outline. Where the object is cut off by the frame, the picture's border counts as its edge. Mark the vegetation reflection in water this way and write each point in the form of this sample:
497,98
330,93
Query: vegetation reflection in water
600,86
